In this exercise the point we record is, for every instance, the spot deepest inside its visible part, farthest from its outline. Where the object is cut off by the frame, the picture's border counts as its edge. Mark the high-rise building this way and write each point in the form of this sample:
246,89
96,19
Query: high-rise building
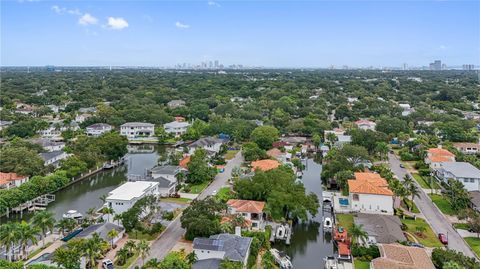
216,64
405,66
436,65
468,67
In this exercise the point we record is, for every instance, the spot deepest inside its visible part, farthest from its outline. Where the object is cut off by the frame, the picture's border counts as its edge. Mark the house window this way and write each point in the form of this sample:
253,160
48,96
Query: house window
356,197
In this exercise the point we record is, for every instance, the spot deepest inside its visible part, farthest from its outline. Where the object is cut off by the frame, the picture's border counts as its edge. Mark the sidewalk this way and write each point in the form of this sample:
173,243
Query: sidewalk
55,238
188,195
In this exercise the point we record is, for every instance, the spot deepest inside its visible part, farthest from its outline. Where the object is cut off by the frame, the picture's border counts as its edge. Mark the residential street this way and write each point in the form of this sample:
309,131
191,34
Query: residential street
434,217
160,248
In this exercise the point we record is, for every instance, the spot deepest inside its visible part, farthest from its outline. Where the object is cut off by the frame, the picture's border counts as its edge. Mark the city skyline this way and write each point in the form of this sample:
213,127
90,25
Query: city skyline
254,34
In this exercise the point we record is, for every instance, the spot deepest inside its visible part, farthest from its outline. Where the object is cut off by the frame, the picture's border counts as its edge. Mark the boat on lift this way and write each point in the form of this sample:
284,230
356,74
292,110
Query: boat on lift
330,262
281,259
73,214
327,224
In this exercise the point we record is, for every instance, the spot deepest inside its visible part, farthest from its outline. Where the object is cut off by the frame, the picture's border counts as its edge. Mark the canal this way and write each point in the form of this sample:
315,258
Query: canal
309,246
86,194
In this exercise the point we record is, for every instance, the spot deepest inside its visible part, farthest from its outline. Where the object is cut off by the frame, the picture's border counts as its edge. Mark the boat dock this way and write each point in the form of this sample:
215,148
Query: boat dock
281,231
38,204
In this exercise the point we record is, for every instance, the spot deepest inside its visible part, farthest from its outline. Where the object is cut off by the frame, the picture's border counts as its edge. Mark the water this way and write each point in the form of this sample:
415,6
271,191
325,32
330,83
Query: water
308,246
86,194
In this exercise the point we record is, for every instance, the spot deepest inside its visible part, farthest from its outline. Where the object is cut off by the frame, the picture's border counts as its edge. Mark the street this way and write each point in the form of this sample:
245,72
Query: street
434,217
174,232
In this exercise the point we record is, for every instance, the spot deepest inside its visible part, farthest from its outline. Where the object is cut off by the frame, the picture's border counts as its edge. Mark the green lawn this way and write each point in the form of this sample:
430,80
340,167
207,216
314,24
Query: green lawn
429,238
407,203
224,194
463,226
128,263
361,264
137,235
230,154
443,204
474,243
424,183
180,200
345,220
198,188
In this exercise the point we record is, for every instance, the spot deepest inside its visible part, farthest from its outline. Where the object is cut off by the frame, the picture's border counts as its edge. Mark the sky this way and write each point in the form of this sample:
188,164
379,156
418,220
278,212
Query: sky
252,33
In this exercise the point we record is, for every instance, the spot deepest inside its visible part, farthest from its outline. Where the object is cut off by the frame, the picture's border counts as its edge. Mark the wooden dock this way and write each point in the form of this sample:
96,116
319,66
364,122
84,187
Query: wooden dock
38,204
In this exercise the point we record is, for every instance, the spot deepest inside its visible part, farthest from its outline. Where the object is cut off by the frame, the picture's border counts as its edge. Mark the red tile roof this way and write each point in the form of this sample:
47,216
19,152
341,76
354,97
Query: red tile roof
183,162
369,183
6,177
246,205
440,152
343,249
265,165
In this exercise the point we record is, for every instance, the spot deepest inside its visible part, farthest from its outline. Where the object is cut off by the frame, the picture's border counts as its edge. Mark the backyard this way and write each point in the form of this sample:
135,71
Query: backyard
443,204
428,237
345,220
361,264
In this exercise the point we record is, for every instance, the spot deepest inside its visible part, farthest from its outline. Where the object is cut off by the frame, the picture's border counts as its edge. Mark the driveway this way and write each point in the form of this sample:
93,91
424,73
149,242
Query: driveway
174,232
434,217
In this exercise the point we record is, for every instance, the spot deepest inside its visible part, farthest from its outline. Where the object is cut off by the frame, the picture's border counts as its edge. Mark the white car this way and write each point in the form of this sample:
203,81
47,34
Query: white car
214,192
107,264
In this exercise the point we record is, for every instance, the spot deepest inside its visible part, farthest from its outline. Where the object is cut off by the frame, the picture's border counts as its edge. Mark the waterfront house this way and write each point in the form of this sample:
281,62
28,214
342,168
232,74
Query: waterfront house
137,129
468,148
366,124
369,193
211,145
435,156
396,256
49,145
102,229
252,212
98,129
464,172
176,128
210,252
176,103
53,157
124,197
11,180
265,165
166,176
277,154
381,229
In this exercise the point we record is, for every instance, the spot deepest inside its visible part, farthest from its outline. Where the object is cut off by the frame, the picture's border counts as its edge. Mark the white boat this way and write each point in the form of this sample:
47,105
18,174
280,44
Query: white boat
281,259
330,262
327,224
72,214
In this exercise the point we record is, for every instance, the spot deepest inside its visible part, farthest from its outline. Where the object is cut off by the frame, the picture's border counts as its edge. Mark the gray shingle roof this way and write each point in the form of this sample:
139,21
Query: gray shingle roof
208,244
99,126
207,264
386,229
163,182
165,170
205,141
50,155
461,169
101,229
44,142
235,247
134,124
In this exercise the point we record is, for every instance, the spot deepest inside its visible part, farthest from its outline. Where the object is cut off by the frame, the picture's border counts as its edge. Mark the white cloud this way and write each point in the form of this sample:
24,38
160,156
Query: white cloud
117,23
74,12
58,10
213,3
63,10
181,25
87,19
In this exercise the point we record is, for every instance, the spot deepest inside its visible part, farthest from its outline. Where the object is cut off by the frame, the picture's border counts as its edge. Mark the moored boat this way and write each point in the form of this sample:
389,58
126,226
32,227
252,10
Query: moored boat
281,259
72,214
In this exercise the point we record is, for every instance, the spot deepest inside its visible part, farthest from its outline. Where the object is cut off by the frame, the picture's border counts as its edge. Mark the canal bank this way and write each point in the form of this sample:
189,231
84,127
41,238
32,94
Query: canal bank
309,245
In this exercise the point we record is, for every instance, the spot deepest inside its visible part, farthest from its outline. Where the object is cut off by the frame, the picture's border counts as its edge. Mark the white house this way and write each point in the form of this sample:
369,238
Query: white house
50,132
252,212
210,252
436,156
406,109
98,129
369,193
166,176
137,129
366,125
124,197
210,144
342,140
176,103
176,128
54,157
464,172
49,145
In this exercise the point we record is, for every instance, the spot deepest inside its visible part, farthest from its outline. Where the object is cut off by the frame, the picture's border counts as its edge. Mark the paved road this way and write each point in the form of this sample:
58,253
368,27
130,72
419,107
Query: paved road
174,232
434,217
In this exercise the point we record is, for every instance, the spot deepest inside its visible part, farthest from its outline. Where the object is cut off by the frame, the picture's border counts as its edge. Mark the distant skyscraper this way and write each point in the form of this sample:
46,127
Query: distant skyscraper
468,67
210,64
216,63
405,66
436,65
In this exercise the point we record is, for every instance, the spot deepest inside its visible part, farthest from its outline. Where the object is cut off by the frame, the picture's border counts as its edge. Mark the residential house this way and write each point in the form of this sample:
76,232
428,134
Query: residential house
464,172
406,109
468,148
82,117
265,165
435,156
166,176
396,256
11,180
366,124
177,128
252,212
50,132
102,229
87,110
53,157
23,108
277,154
474,200
124,197
49,145
184,162
4,124
369,193
137,129
342,140
98,129
176,103
211,145
381,229
210,252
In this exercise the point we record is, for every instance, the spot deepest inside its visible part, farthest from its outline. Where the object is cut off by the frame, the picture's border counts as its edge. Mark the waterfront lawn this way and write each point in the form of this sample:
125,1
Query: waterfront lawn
428,239
180,200
474,244
345,220
128,263
230,154
198,188
443,204
361,264
463,226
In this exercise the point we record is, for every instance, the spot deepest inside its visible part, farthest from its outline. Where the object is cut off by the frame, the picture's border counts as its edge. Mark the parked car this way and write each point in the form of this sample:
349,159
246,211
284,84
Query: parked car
402,166
107,264
443,238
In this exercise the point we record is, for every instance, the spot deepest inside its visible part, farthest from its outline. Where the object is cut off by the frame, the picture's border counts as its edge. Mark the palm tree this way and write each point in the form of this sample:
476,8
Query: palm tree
44,221
103,198
66,225
226,227
112,234
358,233
398,189
143,249
332,138
407,181
9,236
122,255
107,211
153,263
413,192
382,149
93,250
27,233
130,246
91,215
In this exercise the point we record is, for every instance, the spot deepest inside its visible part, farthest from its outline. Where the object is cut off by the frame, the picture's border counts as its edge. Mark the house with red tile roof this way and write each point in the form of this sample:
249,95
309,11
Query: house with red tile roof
396,256
369,193
252,212
436,156
265,165
366,124
183,162
11,180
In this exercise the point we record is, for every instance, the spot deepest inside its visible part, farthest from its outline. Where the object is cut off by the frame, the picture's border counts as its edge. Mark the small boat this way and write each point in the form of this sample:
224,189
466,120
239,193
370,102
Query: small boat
72,214
107,166
327,224
281,259
330,262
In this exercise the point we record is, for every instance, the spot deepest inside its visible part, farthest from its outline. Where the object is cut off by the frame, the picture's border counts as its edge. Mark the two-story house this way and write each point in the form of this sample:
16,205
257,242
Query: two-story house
137,129
436,156
464,172
124,197
252,212
177,128
468,148
211,145
11,180
98,129
369,193
166,176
